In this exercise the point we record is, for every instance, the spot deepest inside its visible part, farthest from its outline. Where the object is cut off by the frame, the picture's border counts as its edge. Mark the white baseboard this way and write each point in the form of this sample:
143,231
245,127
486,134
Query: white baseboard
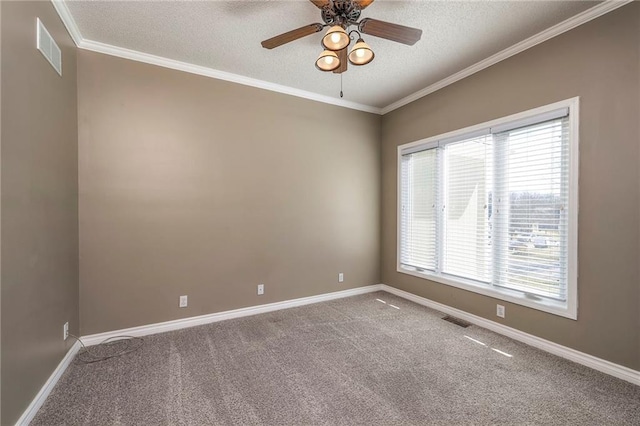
591,361
162,327
46,389
599,364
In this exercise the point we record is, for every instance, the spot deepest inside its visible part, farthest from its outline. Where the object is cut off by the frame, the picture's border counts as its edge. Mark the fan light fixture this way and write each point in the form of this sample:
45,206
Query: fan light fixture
361,54
336,38
327,61
339,16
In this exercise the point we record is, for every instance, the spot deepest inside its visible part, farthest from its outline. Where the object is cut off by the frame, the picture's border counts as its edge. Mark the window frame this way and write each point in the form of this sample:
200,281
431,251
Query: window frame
568,309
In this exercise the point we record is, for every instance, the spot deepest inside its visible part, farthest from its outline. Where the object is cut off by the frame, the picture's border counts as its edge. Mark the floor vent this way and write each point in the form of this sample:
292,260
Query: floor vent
457,321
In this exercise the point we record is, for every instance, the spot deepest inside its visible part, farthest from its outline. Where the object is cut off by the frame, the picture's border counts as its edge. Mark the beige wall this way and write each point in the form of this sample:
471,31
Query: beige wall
39,176
200,187
600,62
195,186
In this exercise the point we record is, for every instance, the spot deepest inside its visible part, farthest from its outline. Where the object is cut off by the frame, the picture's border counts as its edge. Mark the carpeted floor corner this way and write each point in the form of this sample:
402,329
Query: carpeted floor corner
354,361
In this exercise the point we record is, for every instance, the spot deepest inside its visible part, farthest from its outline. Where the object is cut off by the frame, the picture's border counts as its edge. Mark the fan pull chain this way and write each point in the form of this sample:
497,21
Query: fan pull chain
341,85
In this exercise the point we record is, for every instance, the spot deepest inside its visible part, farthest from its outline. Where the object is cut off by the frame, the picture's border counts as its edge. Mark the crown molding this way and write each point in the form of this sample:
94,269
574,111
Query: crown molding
95,46
68,21
564,26
220,75
569,24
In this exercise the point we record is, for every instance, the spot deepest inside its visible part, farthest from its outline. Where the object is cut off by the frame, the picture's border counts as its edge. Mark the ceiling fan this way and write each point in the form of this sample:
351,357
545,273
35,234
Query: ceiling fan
339,15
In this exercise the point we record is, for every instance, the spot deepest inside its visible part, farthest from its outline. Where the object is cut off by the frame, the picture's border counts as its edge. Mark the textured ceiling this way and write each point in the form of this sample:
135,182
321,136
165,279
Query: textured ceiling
226,35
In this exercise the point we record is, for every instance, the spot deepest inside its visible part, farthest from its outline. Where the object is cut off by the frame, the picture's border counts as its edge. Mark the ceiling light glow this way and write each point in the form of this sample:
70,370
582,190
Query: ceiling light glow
361,54
327,61
336,38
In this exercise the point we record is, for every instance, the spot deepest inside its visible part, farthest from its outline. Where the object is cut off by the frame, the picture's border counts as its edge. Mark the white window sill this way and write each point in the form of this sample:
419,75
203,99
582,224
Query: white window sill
519,298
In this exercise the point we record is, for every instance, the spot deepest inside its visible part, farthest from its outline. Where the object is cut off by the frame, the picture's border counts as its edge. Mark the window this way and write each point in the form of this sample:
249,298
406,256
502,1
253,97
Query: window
493,208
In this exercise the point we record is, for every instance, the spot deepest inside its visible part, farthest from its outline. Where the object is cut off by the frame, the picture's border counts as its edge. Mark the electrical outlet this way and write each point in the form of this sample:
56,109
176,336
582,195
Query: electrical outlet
500,311
65,330
183,301
260,289
340,277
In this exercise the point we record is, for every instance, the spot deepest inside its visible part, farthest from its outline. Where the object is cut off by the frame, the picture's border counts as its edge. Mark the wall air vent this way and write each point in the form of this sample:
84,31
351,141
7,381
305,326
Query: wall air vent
48,47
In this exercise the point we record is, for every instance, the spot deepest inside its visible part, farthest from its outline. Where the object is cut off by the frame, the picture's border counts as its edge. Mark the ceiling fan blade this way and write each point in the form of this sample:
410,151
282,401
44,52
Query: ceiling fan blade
287,37
363,3
342,55
394,32
321,3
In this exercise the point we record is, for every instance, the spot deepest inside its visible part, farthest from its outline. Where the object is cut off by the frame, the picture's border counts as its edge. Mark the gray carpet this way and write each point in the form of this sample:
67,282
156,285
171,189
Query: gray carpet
352,361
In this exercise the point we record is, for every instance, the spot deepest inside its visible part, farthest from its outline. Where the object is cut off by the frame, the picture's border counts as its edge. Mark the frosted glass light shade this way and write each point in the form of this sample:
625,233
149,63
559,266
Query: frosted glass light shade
361,54
336,38
327,61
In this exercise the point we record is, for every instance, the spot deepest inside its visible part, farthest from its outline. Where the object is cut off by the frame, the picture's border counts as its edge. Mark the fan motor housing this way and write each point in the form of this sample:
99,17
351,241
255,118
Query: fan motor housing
341,12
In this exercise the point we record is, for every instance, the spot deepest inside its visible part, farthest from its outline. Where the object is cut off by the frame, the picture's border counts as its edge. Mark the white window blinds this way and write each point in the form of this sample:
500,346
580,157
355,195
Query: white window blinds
531,208
492,207
465,220
418,212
